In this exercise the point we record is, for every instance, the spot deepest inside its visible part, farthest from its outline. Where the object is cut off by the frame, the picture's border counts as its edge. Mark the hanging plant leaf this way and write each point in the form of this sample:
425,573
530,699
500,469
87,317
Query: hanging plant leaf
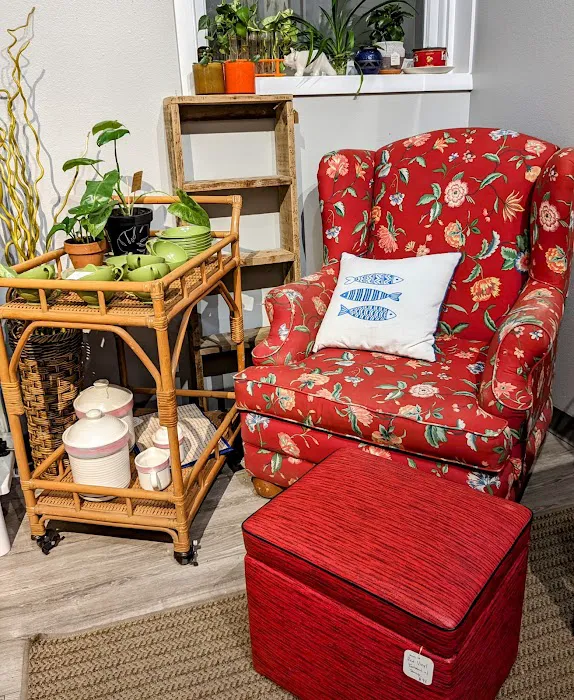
188,210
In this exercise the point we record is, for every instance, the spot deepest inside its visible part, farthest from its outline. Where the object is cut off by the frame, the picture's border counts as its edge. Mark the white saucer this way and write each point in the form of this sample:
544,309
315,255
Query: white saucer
429,70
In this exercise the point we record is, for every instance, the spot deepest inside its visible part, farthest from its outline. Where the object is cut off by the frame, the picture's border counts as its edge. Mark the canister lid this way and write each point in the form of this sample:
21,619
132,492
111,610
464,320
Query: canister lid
96,430
109,398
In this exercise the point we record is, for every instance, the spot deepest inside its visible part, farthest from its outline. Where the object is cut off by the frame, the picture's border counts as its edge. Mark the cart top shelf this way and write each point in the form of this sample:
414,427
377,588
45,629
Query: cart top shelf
182,288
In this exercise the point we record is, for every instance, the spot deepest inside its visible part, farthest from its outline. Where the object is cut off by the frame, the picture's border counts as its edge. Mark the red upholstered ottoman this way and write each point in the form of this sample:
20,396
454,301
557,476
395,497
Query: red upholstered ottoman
395,585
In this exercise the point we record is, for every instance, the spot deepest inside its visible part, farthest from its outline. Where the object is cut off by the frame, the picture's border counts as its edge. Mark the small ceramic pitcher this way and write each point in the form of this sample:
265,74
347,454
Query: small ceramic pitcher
153,469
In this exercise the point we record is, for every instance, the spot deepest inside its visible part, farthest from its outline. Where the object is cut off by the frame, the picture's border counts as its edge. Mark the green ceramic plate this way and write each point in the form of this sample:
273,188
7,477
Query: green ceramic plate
185,232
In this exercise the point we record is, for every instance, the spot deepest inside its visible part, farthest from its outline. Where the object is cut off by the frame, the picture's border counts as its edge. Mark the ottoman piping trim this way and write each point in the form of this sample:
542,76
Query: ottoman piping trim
356,438
373,595
453,429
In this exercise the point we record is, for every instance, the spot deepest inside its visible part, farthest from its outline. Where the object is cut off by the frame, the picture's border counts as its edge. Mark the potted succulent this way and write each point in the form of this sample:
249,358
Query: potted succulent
126,225
208,78
387,33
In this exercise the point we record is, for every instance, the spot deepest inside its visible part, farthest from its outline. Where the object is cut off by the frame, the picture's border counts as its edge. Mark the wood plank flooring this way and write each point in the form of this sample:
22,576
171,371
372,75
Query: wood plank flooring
92,580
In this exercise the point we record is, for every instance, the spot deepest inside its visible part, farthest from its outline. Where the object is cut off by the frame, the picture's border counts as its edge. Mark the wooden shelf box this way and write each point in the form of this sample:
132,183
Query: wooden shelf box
226,121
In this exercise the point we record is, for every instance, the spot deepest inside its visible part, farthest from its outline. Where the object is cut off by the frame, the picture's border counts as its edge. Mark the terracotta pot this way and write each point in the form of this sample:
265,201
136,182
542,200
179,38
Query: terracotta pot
240,77
82,254
208,80
435,56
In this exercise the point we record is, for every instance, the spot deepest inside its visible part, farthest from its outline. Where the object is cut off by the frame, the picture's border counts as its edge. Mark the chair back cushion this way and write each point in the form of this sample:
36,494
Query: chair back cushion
466,190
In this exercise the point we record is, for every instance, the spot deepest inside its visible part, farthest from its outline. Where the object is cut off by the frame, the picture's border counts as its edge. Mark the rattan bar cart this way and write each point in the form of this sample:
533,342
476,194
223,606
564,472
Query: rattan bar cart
179,292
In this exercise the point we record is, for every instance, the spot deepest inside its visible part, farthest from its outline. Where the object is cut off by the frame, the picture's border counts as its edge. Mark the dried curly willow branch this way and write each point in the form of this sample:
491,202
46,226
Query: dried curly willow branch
19,197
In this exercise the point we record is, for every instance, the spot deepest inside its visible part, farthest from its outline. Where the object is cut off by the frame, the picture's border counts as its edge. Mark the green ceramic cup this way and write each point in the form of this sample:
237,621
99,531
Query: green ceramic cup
173,254
100,273
42,272
116,260
148,274
136,260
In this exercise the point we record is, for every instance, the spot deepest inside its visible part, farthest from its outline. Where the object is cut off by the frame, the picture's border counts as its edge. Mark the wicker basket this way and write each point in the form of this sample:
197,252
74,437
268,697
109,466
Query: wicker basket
51,370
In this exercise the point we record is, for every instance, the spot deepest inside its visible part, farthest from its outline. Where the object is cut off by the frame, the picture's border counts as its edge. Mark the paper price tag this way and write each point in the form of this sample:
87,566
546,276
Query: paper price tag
137,181
78,275
395,59
418,667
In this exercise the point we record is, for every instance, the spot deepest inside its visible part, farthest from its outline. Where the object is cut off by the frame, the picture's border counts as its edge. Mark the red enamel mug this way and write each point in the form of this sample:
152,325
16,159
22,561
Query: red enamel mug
435,56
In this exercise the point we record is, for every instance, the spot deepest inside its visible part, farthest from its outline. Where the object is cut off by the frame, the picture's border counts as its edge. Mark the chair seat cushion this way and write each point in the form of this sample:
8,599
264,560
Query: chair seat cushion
427,408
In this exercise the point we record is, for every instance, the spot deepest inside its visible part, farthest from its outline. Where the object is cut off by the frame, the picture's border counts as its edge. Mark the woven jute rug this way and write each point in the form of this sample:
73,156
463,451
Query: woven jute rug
202,652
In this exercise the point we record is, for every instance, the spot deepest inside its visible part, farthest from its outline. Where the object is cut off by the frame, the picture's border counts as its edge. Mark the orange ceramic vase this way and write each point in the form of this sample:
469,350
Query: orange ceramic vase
240,77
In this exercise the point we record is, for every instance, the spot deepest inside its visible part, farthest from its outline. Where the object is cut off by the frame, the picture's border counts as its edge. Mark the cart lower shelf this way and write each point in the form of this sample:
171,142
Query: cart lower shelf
153,510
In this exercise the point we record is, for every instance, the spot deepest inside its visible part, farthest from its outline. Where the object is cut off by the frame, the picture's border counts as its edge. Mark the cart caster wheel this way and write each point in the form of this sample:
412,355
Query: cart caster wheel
48,541
189,557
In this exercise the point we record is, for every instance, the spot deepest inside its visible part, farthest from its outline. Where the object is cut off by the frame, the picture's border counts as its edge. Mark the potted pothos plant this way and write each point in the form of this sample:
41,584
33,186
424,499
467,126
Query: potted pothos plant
231,35
105,208
84,225
283,30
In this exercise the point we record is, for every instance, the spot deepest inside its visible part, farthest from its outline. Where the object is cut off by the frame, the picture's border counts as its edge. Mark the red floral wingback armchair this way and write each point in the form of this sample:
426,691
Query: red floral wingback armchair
479,413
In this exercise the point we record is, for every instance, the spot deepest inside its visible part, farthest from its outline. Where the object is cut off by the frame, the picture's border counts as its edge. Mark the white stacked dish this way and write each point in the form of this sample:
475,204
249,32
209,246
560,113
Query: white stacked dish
112,400
97,446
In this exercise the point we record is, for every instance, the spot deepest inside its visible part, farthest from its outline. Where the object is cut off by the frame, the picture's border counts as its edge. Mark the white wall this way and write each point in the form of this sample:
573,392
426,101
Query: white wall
522,80
367,121
90,61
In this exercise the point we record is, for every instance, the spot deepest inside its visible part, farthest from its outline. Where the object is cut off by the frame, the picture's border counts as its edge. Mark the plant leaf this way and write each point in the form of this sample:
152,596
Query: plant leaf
98,194
188,210
111,135
107,124
76,162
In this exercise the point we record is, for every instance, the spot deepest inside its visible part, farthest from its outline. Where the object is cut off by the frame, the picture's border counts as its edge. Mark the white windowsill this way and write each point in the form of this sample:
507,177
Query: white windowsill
372,84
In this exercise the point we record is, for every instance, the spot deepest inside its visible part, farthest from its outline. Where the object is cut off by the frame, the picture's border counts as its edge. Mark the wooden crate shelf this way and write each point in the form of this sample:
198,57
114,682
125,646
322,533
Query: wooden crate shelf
252,258
219,343
246,183
181,112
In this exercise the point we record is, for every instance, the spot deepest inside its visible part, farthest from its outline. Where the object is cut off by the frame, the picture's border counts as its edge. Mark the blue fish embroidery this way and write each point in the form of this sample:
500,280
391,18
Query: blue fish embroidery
375,278
369,294
368,313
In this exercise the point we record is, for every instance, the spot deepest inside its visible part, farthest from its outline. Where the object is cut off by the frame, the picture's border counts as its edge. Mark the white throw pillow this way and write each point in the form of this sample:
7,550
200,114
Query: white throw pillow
390,306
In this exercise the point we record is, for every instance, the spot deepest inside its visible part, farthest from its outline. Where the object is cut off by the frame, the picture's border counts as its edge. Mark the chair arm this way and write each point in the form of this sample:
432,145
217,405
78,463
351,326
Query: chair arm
295,313
524,339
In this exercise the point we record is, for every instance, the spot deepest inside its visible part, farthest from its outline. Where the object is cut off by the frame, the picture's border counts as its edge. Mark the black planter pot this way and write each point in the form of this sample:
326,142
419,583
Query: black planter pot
129,234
